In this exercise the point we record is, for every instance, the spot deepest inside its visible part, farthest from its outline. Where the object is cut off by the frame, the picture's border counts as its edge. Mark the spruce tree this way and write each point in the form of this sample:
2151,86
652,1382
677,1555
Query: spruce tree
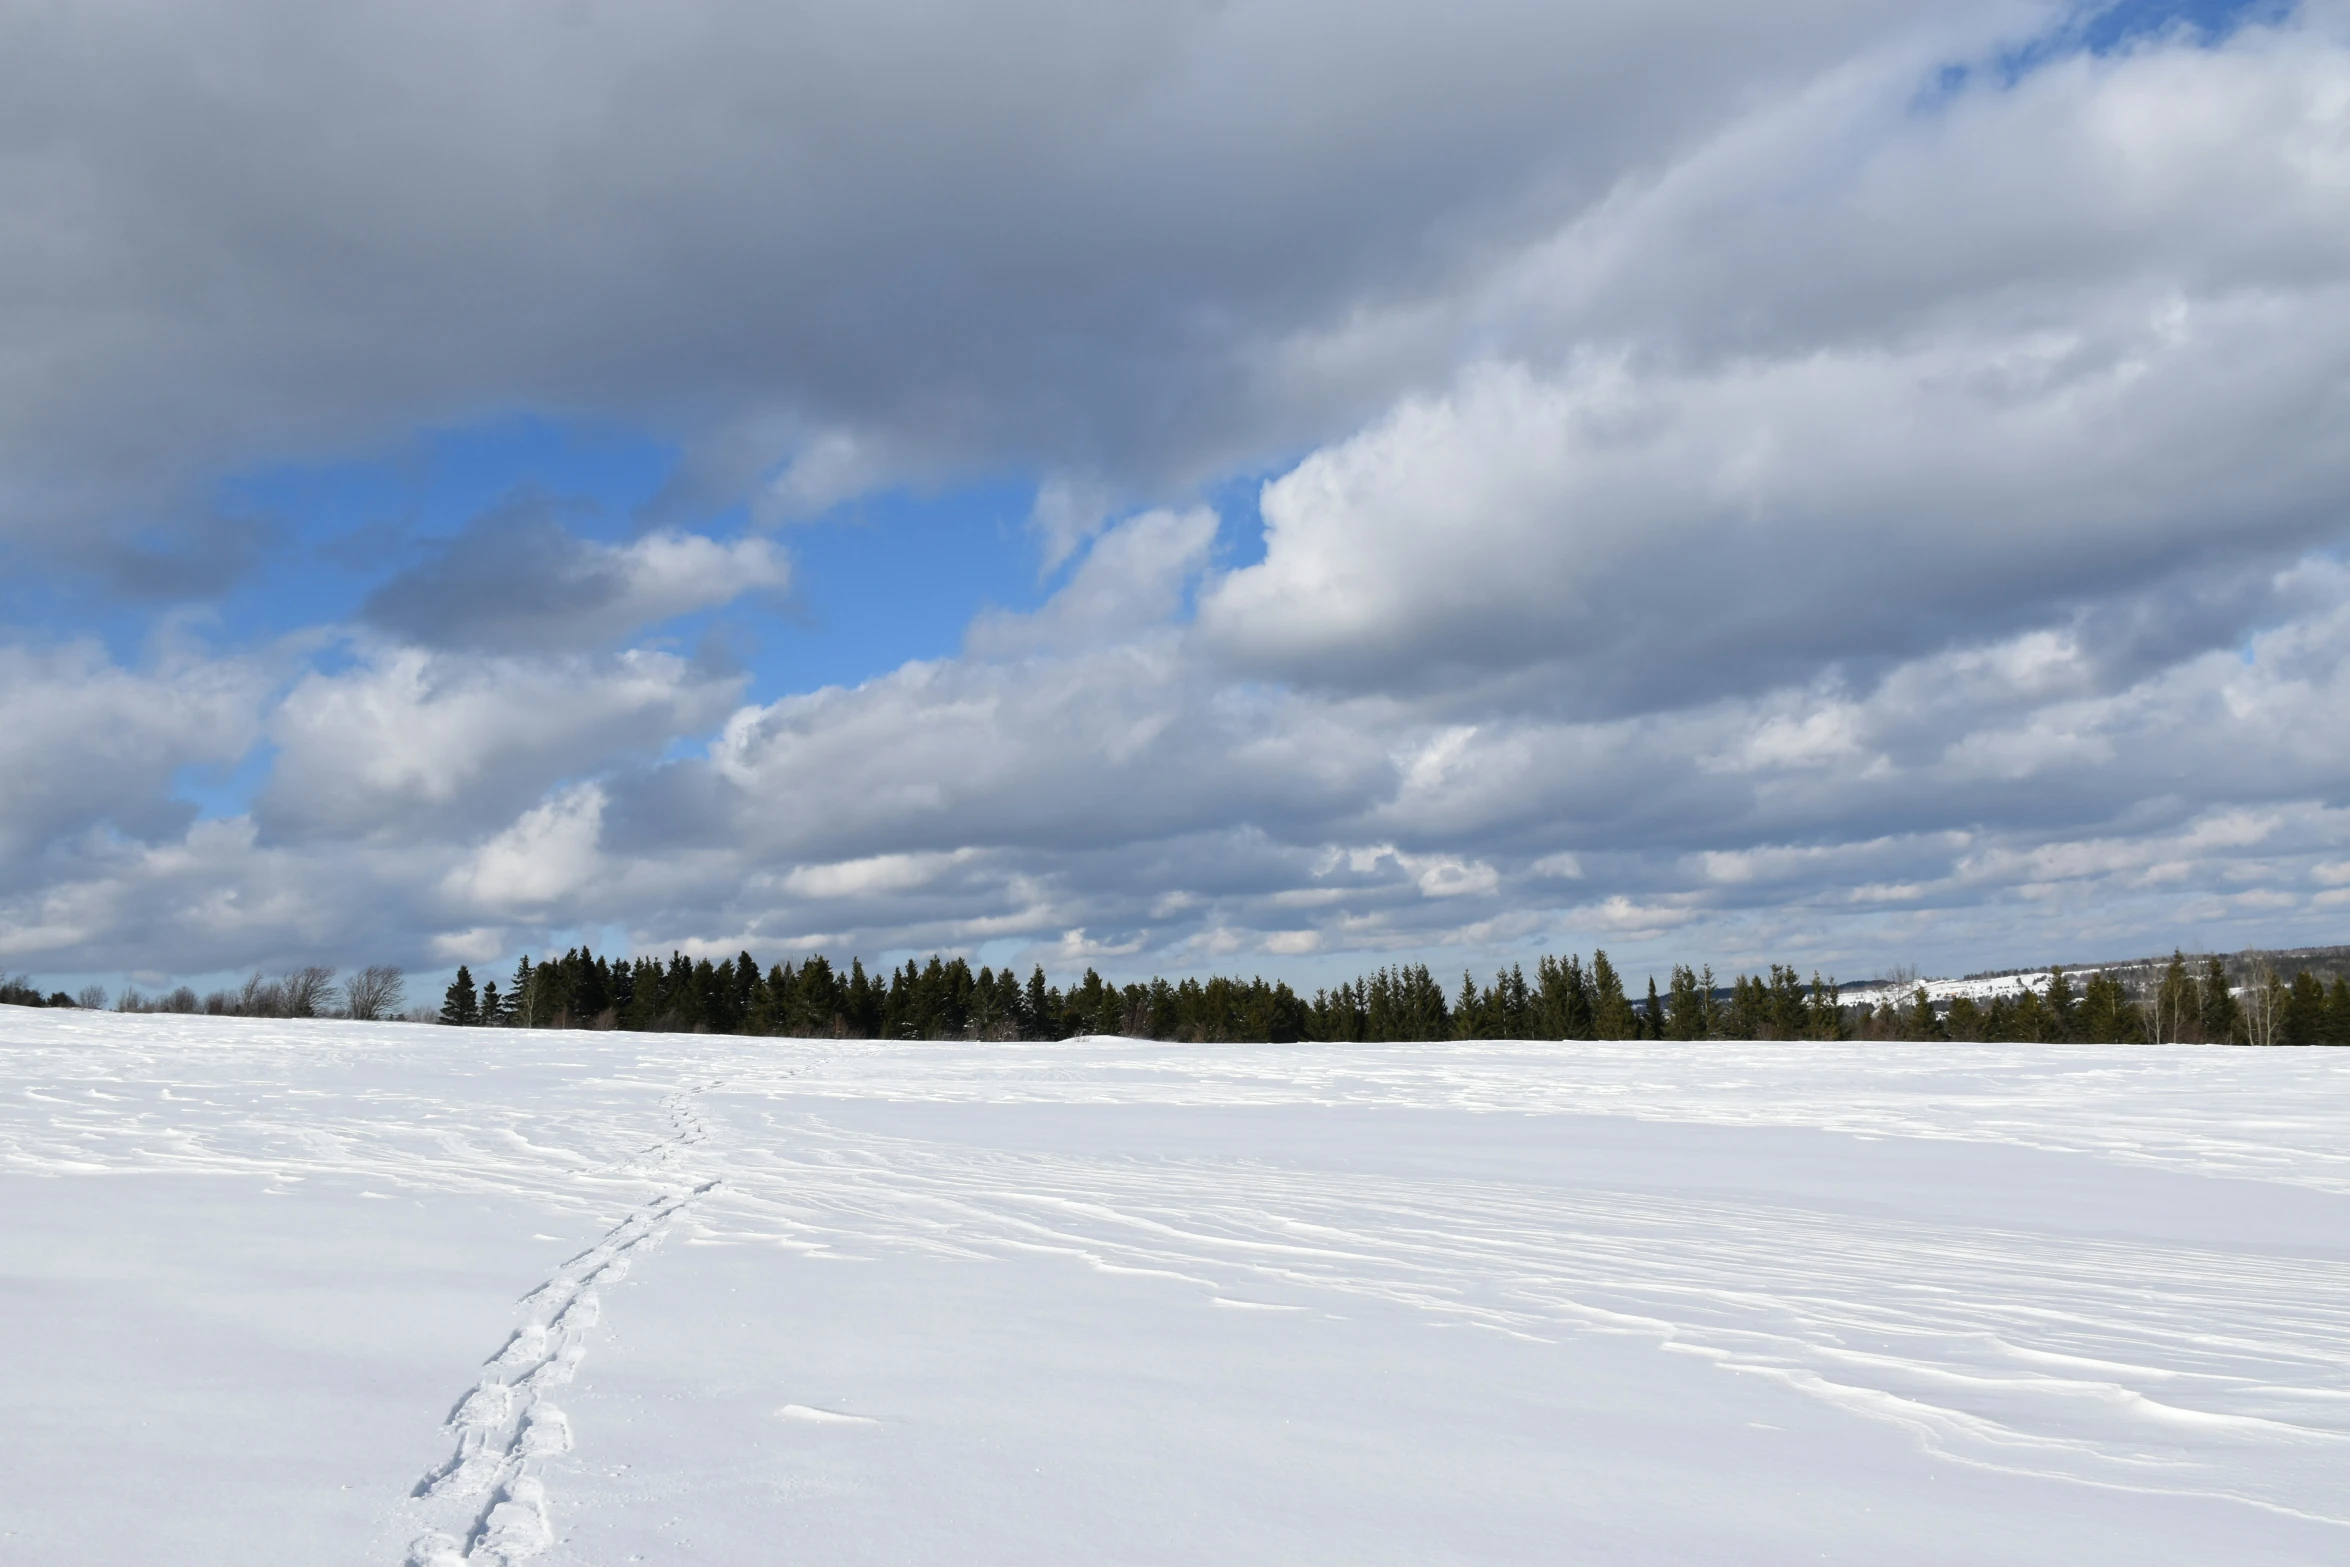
1685,1010
1786,1013
2304,1019
1043,1008
1611,1012
2058,1012
2106,1016
1826,1008
460,1007
1921,1024
1468,1013
2221,1017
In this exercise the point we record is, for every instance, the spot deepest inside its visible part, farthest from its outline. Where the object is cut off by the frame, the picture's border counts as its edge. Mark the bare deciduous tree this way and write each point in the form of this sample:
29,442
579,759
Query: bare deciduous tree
374,993
303,993
257,997
2263,1000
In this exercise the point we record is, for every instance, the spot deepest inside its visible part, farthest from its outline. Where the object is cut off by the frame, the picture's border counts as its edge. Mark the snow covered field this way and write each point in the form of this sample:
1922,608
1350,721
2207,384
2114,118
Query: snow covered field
317,1293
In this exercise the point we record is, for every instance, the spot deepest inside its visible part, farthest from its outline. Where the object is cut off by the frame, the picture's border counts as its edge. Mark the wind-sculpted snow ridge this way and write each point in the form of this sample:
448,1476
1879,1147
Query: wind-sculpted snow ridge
2271,1115
2140,1367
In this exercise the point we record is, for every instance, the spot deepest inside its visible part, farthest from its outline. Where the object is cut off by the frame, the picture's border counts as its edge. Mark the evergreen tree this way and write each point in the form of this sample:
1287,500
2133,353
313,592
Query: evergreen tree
1921,1024
1826,1009
2106,1016
2057,1006
460,1007
1611,1012
1745,1017
1786,1010
1468,1011
2176,1014
1685,1014
1043,1007
522,996
1562,1003
2304,1014
2222,1019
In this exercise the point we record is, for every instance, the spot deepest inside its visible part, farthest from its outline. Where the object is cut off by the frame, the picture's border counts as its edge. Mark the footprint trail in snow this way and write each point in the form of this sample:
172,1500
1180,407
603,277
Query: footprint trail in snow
509,1419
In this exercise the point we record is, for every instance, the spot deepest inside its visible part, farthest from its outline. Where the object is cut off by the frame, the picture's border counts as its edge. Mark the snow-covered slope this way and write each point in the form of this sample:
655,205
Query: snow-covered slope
328,1292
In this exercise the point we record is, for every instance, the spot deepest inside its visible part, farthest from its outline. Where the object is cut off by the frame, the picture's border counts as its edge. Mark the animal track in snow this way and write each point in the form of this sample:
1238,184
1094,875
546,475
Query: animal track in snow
507,1420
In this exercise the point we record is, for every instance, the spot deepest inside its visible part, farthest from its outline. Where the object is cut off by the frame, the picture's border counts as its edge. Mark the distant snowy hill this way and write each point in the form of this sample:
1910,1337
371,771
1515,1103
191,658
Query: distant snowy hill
321,1293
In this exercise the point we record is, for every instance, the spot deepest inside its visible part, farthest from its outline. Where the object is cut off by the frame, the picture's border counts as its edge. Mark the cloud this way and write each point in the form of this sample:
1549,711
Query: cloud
1739,493
2004,800
408,742
547,855
1028,235
1854,379
1133,579
92,747
515,580
1069,511
834,467
878,873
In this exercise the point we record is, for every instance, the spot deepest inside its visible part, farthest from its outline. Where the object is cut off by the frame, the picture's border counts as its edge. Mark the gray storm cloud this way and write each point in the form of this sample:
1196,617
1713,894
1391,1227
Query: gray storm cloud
240,231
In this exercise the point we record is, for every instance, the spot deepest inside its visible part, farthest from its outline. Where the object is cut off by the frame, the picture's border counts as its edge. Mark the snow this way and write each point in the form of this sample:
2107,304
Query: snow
334,1292
1880,992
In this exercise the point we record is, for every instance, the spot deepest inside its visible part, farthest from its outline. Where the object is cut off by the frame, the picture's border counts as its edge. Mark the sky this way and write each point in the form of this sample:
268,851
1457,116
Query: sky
1271,486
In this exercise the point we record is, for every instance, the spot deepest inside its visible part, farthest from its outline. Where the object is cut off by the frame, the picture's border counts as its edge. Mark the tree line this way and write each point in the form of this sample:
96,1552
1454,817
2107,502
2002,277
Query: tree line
373,994
2203,1001
1566,998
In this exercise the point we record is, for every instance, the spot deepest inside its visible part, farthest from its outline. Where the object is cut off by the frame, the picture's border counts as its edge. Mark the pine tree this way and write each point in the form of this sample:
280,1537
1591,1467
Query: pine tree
1468,1014
2057,1008
460,1007
1043,1007
1611,1012
1785,1012
1826,1008
2222,1020
1685,1011
1562,1006
2304,1014
2106,1016
1921,1024
2338,1012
